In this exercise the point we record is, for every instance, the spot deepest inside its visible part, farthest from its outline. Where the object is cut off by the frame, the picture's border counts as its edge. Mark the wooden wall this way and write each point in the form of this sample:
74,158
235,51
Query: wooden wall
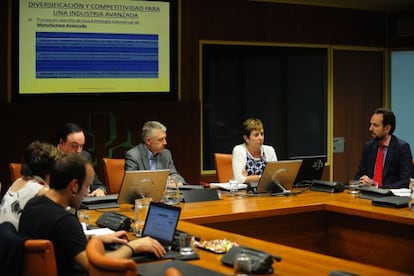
231,20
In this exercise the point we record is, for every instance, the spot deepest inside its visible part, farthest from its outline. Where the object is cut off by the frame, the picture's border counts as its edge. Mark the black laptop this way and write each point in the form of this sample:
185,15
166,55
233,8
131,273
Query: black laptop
311,169
161,224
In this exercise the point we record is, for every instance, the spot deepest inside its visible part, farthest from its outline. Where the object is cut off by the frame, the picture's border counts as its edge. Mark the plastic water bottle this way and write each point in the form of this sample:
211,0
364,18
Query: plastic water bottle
411,202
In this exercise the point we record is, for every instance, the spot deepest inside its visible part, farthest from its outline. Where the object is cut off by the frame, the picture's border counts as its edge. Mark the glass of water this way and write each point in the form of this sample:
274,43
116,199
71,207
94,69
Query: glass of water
171,192
141,211
242,265
233,186
354,187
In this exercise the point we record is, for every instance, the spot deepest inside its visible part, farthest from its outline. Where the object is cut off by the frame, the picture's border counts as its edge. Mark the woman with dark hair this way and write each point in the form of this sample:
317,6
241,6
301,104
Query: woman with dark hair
37,163
250,158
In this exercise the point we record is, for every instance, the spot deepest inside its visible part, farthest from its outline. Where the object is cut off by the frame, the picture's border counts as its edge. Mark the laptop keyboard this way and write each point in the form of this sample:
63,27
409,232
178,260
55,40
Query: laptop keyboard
173,252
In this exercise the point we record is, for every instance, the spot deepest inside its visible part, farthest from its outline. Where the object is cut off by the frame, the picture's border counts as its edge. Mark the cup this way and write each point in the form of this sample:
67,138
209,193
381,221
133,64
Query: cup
233,185
171,192
242,264
411,201
186,244
141,211
354,187
83,217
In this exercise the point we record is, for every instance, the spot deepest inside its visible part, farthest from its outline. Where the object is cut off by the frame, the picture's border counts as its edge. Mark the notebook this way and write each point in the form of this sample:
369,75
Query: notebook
160,224
145,183
278,177
135,184
311,169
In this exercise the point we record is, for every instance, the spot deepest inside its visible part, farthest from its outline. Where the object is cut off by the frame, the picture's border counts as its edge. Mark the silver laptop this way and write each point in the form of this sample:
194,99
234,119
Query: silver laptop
139,184
278,176
135,184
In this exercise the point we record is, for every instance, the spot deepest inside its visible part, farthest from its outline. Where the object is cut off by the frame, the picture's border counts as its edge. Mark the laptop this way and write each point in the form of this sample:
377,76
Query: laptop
278,177
161,224
135,184
146,183
99,202
311,169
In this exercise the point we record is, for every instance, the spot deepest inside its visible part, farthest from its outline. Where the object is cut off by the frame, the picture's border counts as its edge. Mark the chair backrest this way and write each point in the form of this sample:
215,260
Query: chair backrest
39,258
172,271
224,167
114,172
101,265
15,171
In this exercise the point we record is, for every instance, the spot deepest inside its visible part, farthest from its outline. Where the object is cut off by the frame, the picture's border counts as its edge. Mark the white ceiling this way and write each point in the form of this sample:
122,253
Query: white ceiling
377,5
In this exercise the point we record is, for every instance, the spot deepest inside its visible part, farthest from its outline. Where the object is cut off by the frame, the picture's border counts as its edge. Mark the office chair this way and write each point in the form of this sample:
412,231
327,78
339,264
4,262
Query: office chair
172,271
101,265
224,169
22,256
114,172
39,258
15,171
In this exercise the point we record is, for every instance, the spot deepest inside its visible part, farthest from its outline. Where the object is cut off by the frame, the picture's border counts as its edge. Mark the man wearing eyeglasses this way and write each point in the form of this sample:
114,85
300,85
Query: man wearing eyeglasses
71,138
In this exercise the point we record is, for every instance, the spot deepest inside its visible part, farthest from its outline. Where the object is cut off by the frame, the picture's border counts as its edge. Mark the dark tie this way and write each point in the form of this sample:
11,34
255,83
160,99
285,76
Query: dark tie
379,164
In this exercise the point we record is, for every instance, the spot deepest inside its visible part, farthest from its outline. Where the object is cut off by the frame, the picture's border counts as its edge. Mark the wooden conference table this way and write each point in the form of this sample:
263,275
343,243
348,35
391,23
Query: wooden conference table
315,233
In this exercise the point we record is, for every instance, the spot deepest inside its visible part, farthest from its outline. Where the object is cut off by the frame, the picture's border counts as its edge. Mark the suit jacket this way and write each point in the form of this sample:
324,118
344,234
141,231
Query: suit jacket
96,184
137,159
397,166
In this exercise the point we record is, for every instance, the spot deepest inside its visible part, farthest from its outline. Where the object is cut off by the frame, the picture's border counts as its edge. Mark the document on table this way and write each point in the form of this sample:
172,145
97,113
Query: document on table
226,186
98,231
401,192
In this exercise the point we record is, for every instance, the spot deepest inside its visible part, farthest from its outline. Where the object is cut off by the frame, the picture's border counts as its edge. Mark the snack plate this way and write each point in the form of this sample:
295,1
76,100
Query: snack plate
218,246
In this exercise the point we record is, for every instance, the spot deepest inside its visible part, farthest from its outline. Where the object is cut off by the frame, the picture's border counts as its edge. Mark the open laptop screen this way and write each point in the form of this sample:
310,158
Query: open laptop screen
311,169
161,222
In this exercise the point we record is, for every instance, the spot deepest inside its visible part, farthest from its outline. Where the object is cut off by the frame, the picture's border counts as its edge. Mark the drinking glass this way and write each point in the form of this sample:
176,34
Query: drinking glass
171,192
186,244
242,265
141,211
411,201
354,187
233,186
83,216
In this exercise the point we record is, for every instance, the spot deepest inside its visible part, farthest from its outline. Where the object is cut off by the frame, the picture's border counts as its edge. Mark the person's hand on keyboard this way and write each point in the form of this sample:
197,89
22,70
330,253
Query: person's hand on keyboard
148,244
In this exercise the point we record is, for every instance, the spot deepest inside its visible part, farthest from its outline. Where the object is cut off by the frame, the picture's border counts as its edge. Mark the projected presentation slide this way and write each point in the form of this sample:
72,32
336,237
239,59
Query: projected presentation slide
94,46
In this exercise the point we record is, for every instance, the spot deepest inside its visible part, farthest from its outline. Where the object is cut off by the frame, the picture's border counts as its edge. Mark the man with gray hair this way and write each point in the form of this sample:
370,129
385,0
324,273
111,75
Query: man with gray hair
151,153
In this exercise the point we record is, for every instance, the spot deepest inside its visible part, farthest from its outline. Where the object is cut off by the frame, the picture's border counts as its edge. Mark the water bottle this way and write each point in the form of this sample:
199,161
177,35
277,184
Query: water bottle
411,201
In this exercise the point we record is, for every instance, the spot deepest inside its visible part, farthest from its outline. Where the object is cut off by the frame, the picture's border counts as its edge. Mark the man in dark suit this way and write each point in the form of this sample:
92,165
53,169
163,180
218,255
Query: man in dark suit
397,158
151,153
71,138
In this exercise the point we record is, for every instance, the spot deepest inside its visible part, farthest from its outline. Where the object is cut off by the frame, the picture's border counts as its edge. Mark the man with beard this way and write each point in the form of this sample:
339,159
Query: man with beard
47,217
386,160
